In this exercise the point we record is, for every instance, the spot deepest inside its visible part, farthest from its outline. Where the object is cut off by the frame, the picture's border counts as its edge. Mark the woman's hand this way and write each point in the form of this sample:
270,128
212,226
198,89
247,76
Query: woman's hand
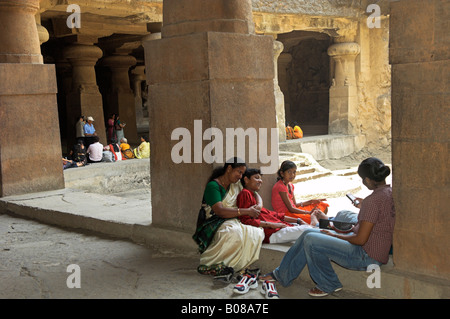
251,211
360,200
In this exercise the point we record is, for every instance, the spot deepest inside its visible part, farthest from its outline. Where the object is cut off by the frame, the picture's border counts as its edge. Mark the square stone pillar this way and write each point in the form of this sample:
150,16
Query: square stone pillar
420,58
208,67
30,147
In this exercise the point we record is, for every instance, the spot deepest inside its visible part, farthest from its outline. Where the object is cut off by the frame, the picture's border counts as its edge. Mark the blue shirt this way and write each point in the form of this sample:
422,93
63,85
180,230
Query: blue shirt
89,128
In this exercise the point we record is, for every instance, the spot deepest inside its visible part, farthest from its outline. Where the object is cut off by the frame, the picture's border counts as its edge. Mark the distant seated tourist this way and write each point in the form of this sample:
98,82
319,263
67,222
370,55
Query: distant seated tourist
114,148
125,148
107,155
95,151
69,163
79,153
143,151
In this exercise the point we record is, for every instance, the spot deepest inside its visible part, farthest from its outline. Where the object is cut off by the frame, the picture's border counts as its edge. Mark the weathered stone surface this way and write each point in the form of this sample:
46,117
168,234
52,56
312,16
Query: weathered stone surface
420,116
30,150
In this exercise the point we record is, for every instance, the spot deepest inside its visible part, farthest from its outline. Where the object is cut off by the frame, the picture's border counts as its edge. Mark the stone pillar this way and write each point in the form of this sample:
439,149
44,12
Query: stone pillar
121,97
210,67
84,98
28,108
284,61
343,92
137,77
420,59
279,97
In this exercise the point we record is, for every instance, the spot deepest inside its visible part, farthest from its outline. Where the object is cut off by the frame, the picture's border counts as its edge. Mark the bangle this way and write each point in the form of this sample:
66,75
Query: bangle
239,212
301,204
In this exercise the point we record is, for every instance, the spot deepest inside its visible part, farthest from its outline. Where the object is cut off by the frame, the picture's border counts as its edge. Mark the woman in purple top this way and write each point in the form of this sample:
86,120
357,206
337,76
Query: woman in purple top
368,244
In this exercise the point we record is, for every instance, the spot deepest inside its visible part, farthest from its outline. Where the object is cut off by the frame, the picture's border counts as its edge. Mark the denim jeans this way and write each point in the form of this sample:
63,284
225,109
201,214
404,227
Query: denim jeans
317,250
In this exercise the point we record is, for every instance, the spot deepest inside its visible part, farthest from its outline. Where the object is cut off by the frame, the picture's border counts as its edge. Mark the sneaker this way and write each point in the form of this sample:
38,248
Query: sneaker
269,291
316,292
247,282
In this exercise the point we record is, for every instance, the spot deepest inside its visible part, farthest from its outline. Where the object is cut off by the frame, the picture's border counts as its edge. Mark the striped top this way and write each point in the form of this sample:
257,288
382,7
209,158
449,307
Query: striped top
378,209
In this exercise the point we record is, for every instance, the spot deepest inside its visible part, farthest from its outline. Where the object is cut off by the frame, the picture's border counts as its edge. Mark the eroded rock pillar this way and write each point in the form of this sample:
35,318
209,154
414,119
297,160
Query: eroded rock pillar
85,98
28,107
211,68
121,97
343,92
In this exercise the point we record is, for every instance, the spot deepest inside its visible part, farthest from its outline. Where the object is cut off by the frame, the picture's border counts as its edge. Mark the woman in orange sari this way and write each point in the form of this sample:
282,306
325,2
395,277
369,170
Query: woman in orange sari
283,199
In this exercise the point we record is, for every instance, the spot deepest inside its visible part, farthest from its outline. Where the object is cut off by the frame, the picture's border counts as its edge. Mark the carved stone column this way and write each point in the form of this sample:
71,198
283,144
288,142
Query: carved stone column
19,40
28,107
283,62
343,92
137,77
85,98
121,97
279,97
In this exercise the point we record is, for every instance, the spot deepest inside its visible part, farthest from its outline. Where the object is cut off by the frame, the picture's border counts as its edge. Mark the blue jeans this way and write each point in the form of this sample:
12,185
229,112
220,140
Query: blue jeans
317,250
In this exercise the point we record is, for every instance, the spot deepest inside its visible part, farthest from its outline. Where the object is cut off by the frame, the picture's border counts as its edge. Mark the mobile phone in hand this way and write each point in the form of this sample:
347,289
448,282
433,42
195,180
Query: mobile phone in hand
353,199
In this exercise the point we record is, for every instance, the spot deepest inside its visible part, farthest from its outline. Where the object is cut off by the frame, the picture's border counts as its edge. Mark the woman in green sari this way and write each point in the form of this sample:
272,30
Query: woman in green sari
223,240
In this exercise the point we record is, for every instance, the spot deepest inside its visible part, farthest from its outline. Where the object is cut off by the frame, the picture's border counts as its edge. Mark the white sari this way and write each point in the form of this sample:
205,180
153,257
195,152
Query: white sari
234,244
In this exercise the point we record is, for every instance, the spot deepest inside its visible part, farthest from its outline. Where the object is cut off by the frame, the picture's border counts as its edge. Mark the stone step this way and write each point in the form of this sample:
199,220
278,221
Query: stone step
331,186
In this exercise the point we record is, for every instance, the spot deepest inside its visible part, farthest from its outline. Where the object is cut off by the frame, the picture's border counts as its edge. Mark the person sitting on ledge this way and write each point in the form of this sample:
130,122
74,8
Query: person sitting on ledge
143,151
226,245
95,151
125,148
368,244
278,228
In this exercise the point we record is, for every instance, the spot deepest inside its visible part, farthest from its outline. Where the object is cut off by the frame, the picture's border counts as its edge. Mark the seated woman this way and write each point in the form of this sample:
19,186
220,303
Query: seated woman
125,148
283,198
369,243
79,153
223,240
278,228
143,150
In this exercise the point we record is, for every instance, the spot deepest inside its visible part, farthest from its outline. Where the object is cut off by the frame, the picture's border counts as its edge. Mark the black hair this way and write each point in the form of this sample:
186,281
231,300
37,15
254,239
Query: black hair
219,171
249,172
284,167
374,169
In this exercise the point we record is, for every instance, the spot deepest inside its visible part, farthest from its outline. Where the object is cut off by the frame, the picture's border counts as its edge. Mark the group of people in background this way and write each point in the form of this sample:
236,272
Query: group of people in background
88,148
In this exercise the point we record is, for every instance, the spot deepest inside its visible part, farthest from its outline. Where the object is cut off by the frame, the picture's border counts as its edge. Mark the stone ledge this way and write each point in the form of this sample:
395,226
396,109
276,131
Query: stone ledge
394,283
